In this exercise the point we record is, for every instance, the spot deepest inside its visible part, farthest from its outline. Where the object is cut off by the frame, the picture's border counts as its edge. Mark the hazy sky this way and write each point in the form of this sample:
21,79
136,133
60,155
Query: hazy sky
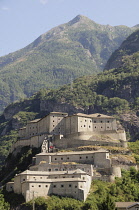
22,21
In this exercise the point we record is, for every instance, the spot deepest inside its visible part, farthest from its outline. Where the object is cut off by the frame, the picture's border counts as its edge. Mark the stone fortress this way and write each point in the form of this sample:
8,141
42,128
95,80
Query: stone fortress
67,173
72,131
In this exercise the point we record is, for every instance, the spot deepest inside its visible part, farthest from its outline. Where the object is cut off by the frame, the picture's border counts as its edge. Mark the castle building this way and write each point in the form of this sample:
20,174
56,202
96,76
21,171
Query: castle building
65,174
31,184
72,131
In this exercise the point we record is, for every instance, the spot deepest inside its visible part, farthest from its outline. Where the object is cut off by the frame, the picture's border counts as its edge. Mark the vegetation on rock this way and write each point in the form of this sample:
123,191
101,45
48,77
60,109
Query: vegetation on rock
79,47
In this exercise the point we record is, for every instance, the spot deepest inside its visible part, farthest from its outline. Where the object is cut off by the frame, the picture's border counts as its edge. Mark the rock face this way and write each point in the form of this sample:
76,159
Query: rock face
49,106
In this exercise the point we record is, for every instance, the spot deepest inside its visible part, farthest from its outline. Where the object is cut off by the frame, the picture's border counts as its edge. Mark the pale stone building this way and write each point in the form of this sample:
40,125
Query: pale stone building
72,131
98,158
74,184
64,166
66,174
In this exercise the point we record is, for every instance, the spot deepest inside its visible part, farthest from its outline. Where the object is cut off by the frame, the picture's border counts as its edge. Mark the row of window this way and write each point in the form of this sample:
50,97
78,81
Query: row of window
62,185
33,127
54,186
79,157
96,121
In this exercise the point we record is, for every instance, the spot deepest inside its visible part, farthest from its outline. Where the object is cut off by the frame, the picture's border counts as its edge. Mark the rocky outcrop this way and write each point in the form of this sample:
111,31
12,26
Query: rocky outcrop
50,106
130,122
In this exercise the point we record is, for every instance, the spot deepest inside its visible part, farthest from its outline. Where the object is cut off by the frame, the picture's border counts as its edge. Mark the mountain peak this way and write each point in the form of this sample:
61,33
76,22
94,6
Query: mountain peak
78,19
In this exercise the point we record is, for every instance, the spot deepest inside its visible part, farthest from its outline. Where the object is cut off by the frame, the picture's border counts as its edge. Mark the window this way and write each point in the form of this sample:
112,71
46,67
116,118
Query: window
108,121
80,157
75,186
32,186
101,127
53,125
40,177
62,185
84,125
54,186
85,120
56,169
61,158
94,121
67,158
46,185
86,157
101,121
89,126
69,185
53,121
39,186
90,120
49,169
55,158
95,127
72,176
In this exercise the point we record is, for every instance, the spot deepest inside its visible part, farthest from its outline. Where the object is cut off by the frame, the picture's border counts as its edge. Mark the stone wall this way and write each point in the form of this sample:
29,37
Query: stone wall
100,159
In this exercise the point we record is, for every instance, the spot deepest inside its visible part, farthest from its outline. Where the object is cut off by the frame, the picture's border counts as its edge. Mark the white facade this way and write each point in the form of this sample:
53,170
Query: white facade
50,124
74,184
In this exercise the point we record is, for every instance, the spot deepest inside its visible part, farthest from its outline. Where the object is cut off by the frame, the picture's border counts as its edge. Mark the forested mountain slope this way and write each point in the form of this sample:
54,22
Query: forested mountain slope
113,92
127,48
79,47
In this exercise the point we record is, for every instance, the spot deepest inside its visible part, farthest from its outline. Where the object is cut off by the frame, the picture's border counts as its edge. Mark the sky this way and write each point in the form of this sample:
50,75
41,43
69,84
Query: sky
22,21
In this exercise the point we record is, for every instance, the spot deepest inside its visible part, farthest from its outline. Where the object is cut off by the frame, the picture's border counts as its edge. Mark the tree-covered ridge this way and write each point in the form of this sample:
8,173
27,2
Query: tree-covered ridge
79,47
127,48
112,91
